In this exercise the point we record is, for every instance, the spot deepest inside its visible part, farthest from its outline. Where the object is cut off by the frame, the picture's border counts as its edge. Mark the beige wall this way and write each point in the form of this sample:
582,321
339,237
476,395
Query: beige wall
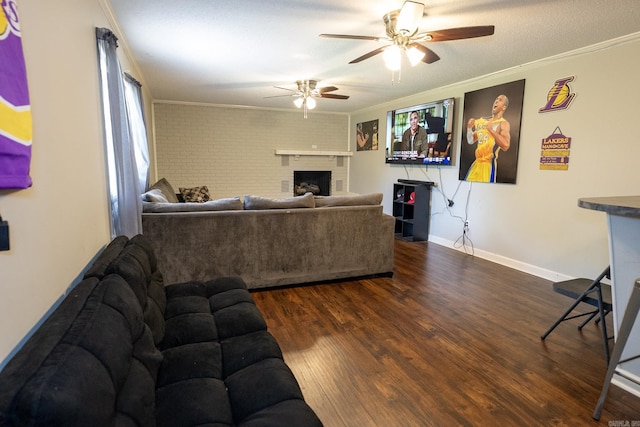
59,224
535,225
232,150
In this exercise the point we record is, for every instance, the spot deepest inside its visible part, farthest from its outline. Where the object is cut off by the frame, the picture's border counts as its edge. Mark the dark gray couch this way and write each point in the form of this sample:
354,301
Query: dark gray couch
273,247
124,350
268,241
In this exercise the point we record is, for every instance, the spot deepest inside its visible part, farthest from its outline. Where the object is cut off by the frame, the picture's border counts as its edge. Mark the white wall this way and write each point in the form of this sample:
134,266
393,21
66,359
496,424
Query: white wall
535,225
59,224
232,150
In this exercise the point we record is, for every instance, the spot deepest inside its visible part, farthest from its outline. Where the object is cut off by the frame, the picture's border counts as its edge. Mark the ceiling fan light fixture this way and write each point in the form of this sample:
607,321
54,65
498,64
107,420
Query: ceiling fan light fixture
392,57
409,17
298,102
415,55
311,103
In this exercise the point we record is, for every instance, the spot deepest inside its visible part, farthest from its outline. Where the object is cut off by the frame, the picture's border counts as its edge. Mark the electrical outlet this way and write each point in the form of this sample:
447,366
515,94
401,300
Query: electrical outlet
4,235
466,223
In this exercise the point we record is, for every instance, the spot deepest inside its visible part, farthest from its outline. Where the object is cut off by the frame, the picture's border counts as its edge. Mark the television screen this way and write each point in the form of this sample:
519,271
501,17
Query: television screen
421,134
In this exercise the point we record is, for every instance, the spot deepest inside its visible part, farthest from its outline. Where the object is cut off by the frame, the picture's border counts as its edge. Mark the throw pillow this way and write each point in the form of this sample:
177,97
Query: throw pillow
226,204
166,189
155,195
195,194
259,203
357,200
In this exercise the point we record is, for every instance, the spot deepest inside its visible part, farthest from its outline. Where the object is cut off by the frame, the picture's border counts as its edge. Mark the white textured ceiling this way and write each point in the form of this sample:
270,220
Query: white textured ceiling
234,52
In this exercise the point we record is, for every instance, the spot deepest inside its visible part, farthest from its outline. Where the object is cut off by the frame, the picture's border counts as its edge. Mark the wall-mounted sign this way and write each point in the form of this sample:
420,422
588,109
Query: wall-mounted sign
559,96
554,154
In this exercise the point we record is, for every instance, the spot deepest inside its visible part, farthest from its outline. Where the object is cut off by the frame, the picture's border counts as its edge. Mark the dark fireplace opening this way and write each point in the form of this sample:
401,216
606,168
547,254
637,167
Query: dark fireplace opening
316,182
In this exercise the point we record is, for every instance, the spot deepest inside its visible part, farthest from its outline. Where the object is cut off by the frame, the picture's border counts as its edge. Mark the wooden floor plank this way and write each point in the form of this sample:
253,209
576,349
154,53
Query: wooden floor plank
449,340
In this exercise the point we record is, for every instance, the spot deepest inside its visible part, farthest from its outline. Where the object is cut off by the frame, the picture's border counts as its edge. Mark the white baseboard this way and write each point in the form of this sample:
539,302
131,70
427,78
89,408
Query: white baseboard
553,276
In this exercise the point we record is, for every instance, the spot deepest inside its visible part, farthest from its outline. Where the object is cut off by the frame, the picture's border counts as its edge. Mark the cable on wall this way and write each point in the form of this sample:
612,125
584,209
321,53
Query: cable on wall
464,241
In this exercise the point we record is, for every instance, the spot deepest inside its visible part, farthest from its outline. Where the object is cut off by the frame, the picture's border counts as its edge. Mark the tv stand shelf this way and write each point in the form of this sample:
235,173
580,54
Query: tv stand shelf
412,214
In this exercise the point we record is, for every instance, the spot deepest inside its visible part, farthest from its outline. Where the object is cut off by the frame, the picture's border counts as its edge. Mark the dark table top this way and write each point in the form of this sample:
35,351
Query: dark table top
620,205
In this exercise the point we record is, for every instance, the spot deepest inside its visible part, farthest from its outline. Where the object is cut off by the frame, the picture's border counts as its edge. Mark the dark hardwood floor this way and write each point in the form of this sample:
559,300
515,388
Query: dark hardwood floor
449,340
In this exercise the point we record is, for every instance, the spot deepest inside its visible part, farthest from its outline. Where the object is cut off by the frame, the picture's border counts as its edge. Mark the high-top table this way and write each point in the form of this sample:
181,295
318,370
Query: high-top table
623,222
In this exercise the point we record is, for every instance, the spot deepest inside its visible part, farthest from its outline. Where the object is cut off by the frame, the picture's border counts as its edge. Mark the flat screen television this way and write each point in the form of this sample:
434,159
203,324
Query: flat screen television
421,134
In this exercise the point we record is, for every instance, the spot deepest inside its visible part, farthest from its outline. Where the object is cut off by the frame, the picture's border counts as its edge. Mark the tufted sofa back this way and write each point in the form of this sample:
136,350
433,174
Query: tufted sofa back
137,264
95,349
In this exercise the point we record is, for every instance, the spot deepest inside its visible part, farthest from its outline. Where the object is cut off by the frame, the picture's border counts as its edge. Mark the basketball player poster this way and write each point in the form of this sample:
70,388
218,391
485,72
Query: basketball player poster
491,133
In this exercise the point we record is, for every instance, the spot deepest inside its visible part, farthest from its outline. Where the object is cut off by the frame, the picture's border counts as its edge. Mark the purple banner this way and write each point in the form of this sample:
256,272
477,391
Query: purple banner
15,108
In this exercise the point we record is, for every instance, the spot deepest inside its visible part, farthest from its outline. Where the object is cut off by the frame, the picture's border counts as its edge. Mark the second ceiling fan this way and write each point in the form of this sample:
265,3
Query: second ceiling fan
307,90
402,27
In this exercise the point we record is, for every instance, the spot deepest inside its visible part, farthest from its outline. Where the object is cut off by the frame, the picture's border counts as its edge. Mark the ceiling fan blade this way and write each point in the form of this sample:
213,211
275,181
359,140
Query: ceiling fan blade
459,33
368,55
347,36
281,96
286,88
327,89
333,96
429,56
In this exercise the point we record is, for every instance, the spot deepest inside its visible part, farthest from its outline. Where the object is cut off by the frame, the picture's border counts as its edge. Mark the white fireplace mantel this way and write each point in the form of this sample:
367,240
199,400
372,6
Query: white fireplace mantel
314,153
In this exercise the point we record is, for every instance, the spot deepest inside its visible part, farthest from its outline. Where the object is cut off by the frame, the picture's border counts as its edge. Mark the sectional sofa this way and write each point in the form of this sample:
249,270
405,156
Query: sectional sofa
271,242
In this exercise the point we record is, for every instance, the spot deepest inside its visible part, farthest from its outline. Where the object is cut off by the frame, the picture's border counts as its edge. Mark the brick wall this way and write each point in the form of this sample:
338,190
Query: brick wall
232,150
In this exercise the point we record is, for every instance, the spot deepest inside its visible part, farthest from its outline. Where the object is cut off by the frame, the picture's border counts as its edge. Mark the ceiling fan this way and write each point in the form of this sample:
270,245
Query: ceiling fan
402,31
307,90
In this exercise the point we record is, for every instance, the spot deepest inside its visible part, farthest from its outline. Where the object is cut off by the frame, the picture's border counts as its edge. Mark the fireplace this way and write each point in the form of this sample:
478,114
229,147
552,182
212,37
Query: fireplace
316,182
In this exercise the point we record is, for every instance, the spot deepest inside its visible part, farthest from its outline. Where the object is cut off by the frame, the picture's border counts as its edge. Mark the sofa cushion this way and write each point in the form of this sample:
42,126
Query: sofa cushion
224,204
194,402
357,200
188,317
195,194
261,385
258,202
185,362
294,412
240,351
190,387
167,190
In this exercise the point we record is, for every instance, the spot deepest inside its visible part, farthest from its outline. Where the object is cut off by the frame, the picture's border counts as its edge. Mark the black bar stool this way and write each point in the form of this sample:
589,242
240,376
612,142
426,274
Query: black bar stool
592,292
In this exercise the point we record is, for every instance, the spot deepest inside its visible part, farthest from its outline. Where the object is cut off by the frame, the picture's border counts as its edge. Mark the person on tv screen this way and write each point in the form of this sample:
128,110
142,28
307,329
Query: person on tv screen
491,135
414,139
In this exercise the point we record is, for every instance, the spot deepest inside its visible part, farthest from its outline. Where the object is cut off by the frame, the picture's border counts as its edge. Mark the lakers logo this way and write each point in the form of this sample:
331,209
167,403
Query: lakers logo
560,96
15,119
9,19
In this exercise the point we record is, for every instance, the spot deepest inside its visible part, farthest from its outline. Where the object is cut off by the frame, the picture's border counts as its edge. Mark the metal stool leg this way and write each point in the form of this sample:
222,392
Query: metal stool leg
629,318
562,318
603,328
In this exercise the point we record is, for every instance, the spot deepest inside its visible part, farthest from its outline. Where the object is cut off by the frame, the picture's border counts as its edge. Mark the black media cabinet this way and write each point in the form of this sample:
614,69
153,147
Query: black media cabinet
412,214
